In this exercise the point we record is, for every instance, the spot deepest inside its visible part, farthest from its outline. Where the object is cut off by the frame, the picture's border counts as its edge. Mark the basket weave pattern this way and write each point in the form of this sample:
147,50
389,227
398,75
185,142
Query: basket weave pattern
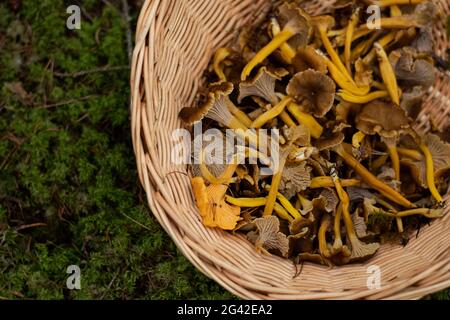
175,40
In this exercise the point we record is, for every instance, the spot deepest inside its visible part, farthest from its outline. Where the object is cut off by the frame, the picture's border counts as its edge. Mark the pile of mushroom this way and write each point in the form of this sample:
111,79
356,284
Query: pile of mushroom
353,173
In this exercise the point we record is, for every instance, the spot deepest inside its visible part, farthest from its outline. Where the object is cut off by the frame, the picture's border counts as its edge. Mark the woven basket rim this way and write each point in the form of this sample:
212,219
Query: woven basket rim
174,42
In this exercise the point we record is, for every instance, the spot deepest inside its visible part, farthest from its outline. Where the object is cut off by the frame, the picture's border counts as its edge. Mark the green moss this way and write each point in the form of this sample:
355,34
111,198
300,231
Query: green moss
71,166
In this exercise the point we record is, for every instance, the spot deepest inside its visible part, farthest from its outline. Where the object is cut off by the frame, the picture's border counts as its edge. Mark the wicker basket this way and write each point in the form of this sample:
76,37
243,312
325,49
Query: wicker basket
175,40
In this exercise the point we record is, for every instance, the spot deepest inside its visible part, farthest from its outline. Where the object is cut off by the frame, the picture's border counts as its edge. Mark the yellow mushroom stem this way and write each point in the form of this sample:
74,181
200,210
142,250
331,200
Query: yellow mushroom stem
430,173
220,55
429,213
282,213
345,204
287,52
391,208
306,119
384,41
399,222
271,113
275,184
410,153
373,181
388,3
246,202
333,54
378,85
363,47
395,159
401,22
240,115
395,11
338,32
379,162
327,182
286,118
266,51
337,245
349,38
288,206
357,138
387,73
343,82
349,97
323,246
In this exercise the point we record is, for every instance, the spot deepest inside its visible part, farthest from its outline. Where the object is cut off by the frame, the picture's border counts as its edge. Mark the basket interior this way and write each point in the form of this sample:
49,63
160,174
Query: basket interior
175,42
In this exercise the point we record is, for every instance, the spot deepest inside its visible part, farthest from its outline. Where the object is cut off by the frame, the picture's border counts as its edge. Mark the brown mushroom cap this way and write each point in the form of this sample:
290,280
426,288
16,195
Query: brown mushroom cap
411,102
313,90
426,13
216,150
262,85
268,236
440,152
411,71
384,118
326,143
424,42
299,135
214,108
294,17
295,178
307,58
325,22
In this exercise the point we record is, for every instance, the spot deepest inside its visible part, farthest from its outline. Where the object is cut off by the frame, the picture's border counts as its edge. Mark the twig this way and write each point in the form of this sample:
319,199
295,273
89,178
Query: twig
137,222
63,103
126,13
86,72
33,225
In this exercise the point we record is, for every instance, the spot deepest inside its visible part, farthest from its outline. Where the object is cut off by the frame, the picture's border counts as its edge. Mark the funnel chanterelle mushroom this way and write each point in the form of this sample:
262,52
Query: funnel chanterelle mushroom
295,27
312,90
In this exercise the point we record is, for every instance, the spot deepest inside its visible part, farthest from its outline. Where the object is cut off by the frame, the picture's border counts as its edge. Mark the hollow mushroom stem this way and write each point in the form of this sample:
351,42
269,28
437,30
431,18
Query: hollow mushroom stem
373,181
384,41
275,184
271,113
391,208
327,182
287,52
359,249
240,115
323,246
349,38
410,153
387,73
267,50
343,82
349,97
246,202
281,212
395,159
428,213
288,206
333,54
305,119
430,173
395,10
379,162
220,55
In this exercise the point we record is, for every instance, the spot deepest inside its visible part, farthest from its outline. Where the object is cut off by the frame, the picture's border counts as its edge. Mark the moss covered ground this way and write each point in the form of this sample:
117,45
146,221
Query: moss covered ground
69,193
